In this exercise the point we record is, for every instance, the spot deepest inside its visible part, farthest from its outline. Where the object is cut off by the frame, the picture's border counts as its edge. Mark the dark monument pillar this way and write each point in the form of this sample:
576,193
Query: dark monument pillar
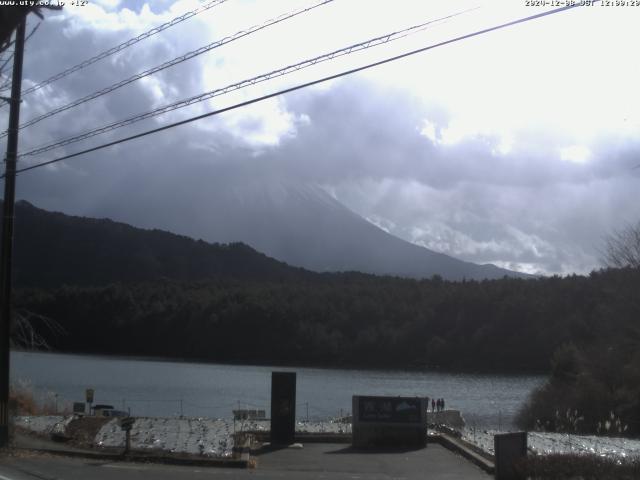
509,448
283,407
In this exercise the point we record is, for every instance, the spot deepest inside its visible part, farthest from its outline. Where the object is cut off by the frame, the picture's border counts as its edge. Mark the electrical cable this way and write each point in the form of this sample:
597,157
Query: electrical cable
242,84
171,63
123,45
300,86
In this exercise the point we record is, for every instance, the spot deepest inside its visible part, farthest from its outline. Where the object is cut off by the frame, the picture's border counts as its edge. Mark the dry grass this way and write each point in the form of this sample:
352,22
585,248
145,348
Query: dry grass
584,467
22,402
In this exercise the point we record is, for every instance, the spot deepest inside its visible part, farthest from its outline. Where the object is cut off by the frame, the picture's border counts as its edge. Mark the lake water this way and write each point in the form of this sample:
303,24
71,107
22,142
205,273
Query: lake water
163,388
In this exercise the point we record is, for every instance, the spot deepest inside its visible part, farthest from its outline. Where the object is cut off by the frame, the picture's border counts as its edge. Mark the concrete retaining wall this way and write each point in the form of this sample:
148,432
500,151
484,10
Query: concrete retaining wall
452,418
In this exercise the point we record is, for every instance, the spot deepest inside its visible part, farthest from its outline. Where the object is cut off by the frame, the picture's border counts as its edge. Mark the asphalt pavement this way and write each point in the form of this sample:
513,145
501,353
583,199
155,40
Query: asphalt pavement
313,461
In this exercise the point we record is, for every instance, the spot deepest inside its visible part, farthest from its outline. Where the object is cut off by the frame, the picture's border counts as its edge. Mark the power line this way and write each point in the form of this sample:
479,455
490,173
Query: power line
173,62
301,86
242,84
124,45
5,64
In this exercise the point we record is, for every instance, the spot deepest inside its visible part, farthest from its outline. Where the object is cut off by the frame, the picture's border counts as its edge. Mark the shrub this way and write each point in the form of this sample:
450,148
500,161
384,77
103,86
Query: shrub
586,467
21,401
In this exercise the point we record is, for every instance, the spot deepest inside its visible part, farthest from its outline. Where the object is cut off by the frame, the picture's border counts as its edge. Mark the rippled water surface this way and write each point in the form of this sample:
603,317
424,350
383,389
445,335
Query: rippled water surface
163,388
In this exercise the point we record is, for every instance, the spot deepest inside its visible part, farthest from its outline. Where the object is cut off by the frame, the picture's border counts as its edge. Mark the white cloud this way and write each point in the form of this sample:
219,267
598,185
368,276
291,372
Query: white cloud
110,4
515,148
575,153
429,131
262,124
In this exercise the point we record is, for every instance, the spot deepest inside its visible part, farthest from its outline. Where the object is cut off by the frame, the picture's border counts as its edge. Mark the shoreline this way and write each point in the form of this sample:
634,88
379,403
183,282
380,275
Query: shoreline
209,437
352,368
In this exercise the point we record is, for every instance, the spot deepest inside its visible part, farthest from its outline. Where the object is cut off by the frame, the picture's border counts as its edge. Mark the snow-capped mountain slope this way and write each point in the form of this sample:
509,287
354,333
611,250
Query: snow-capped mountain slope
300,224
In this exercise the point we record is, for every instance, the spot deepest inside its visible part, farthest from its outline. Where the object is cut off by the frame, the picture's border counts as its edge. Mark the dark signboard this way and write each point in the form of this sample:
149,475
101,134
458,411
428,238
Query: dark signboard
79,407
283,407
389,421
389,409
510,448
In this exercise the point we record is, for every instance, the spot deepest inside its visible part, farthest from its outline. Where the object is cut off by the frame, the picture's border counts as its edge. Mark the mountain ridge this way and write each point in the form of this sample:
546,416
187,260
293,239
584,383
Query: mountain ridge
53,248
297,223
311,229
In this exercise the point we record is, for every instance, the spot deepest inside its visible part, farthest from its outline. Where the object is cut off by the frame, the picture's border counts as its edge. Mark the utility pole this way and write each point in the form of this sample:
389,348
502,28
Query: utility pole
7,232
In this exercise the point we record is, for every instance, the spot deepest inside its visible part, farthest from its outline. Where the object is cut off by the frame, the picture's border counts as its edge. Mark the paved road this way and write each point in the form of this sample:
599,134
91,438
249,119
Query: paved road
342,462
314,461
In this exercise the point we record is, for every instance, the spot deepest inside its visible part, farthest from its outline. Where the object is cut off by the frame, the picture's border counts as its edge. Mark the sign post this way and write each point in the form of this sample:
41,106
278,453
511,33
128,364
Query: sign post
126,424
89,397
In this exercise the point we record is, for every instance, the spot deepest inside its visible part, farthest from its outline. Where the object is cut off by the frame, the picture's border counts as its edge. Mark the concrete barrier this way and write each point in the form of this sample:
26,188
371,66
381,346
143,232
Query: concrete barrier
451,418
467,450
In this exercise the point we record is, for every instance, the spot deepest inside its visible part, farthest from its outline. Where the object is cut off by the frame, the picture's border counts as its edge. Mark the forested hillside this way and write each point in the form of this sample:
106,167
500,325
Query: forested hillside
115,289
52,249
348,319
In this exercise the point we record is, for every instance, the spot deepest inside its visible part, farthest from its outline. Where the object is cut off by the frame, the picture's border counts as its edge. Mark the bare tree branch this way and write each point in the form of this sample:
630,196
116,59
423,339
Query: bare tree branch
27,334
622,247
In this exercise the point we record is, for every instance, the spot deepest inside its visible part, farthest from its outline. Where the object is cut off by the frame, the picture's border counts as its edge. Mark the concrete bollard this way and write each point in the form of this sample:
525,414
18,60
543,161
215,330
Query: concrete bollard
509,449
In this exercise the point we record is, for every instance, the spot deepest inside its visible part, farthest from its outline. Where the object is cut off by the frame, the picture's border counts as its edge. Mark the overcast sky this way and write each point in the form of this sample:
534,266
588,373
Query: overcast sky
519,148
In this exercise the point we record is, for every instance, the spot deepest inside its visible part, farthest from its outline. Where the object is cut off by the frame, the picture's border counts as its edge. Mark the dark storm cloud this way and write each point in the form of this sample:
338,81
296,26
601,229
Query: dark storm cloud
524,209
378,131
